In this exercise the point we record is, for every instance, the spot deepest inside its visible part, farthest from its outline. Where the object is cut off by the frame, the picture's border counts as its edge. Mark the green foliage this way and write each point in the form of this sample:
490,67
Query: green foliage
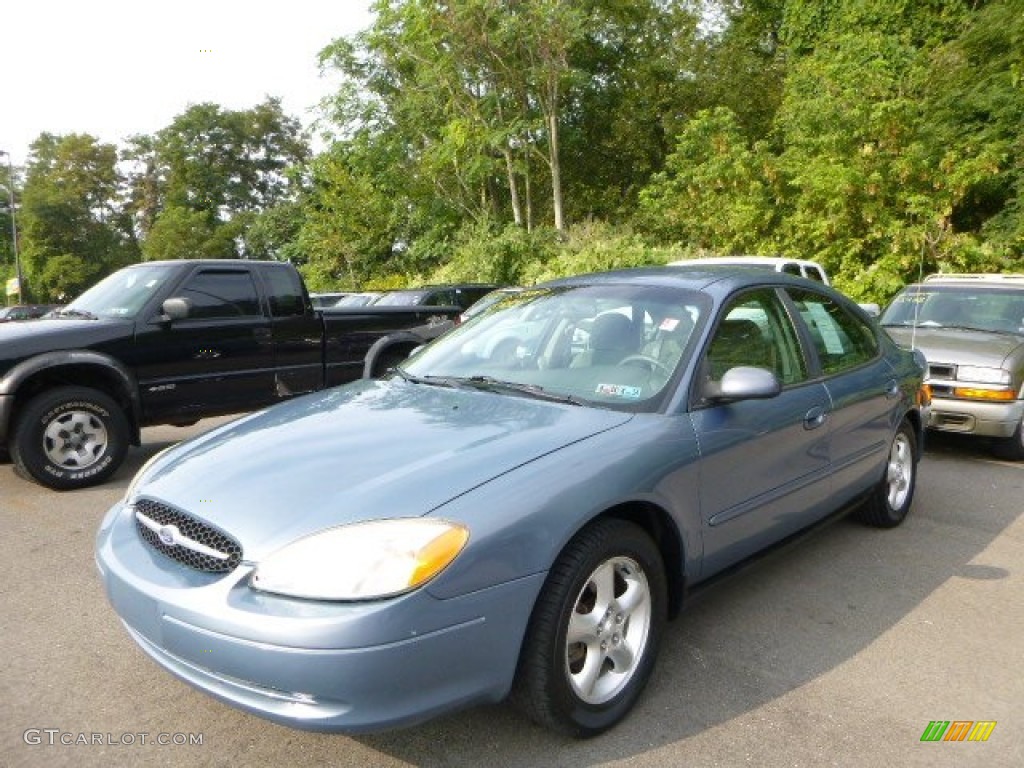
73,230
180,233
222,166
594,246
519,141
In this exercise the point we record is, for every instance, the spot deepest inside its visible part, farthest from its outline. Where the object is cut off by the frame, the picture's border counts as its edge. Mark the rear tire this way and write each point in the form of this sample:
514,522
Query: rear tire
1011,448
594,634
891,499
70,437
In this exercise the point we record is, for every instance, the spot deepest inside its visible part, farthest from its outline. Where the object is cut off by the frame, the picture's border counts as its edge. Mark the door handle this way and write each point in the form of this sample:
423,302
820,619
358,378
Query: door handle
815,417
892,390
261,333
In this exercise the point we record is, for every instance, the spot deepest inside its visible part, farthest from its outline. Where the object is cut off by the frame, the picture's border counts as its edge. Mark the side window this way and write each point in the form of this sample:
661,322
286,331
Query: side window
842,340
221,294
285,292
756,331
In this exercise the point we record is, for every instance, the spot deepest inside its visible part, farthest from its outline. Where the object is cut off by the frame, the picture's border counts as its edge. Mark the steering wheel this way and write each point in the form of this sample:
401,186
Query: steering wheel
654,363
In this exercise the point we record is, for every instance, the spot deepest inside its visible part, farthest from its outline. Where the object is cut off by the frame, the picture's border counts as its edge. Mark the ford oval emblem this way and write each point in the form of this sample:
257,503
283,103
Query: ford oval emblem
168,535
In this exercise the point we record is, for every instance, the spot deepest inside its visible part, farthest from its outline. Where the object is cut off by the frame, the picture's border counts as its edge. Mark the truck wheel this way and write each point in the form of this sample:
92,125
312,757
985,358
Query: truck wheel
70,437
389,359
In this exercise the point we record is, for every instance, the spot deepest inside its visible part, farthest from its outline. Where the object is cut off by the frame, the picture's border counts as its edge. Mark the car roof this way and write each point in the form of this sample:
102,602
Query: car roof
726,277
751,260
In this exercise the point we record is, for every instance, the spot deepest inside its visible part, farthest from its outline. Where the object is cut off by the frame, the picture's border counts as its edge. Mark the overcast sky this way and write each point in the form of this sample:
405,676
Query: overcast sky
114,68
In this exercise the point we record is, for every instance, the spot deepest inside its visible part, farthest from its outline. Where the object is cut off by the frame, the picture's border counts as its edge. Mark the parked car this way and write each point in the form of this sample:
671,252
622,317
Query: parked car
24,312
324,300
488,300
172,342
803,267
473,526
359,299
971,329
461,295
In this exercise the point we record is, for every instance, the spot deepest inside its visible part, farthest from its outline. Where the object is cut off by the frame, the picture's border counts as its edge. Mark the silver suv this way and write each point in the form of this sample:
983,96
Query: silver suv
971,330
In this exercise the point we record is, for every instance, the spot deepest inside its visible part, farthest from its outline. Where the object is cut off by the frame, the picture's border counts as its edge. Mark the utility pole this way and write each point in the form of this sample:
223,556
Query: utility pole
14,225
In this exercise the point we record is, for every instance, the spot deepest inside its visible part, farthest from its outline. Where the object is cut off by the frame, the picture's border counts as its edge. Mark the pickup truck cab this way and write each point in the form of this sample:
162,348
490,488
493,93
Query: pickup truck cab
173,342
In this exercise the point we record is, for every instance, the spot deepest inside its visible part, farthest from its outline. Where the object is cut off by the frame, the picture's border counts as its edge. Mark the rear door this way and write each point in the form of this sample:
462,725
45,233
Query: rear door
764,463
219,359
297,332
863,390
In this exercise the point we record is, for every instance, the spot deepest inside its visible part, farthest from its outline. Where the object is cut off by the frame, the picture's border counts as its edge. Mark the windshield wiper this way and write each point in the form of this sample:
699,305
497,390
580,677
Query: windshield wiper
530,390
487,383
76,313
434,381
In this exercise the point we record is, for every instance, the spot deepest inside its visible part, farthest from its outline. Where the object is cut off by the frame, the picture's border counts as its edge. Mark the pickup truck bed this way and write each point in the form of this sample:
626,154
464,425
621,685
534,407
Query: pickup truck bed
173,342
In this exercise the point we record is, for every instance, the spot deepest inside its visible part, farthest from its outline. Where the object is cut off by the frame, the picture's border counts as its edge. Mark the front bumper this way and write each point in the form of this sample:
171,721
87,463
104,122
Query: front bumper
315,665
976,418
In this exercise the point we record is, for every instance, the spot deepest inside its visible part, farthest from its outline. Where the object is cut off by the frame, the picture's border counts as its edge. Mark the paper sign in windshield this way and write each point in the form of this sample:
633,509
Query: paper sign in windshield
618,390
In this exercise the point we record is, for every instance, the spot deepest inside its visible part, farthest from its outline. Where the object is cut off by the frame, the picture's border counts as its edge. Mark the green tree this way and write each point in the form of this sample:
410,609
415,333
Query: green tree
222,167
72,216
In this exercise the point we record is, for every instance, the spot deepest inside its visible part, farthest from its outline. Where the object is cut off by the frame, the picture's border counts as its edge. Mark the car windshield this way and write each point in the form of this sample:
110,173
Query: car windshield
121,295
616,346
965,307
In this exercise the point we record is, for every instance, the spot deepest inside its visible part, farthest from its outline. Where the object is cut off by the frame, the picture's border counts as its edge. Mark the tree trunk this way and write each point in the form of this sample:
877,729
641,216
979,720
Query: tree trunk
513,187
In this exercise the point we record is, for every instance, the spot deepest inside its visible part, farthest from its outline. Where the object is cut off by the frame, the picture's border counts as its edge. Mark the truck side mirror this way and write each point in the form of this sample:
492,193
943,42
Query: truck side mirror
175,309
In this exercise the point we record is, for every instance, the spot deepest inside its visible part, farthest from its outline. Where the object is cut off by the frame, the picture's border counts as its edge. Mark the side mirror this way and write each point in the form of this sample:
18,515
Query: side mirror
744,383
175,309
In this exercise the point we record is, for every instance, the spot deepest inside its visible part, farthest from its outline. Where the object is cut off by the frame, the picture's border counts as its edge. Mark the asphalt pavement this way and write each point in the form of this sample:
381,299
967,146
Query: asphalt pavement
839,650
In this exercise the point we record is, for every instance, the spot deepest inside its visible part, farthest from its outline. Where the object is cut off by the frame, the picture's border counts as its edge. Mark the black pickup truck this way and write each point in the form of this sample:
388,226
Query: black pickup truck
172,342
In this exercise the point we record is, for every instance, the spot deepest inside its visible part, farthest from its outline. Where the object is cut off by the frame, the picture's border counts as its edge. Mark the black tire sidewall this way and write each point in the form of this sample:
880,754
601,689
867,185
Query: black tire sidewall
28,453
581,718
877,510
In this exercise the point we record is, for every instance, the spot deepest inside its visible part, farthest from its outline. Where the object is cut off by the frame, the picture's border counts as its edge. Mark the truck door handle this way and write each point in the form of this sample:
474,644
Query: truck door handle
814,418
261,333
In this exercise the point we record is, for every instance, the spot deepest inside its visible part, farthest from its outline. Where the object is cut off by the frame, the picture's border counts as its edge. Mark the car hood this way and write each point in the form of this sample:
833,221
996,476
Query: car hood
368,450
33,337
960,347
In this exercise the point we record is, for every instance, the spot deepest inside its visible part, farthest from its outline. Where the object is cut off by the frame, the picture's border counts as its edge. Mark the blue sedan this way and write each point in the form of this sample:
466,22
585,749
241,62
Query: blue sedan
518,509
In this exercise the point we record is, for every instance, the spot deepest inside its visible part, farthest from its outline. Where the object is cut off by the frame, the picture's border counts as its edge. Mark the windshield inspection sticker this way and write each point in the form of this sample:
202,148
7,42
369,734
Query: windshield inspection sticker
618,390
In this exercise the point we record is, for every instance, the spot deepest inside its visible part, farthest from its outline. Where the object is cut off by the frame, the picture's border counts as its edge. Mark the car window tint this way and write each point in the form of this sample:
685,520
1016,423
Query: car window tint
755,331
285,292
221,294
841,339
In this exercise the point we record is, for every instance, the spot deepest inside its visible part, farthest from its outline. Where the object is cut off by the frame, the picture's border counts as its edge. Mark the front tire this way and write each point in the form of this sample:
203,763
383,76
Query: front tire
70,437
595,630
889,502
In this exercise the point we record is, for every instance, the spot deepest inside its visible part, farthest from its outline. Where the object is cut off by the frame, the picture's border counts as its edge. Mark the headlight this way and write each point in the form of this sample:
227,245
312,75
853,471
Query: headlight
982,375
362,561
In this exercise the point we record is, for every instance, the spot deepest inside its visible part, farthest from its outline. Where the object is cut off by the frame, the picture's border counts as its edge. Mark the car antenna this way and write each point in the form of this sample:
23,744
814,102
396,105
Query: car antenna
917,293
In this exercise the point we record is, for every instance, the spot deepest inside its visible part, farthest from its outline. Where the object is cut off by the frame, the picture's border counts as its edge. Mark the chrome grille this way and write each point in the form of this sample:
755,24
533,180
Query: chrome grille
181,537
